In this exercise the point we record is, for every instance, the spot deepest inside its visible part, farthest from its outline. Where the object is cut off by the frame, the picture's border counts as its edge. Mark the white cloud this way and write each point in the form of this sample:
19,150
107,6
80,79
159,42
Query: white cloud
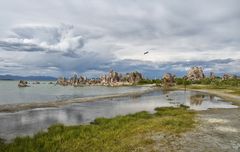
45,38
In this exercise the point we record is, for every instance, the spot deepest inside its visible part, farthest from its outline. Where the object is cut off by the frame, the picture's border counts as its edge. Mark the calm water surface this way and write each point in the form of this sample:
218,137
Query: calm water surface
45,92
31,121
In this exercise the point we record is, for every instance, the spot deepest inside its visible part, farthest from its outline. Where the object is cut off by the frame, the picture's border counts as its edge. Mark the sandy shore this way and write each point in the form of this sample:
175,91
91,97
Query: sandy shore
26,106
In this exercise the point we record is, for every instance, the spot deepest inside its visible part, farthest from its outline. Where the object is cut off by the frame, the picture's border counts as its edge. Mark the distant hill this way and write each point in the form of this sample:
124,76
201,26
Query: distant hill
34,78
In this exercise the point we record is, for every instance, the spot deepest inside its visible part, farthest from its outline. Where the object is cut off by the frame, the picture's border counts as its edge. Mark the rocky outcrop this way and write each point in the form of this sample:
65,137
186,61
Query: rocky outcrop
212,76
62,81
113,78
134,77
82,79
195,73
23,83
36,82
228,76
116,79
93,82
74,81
168,79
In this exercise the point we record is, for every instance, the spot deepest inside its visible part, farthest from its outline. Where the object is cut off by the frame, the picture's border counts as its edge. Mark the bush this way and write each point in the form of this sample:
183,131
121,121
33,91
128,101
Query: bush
187,82
179,81
149,81
182,81
157,81
196,82
206,81
145,81
230,82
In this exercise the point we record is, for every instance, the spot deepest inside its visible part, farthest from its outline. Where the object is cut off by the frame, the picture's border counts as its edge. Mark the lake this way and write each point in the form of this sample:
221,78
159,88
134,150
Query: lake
10,93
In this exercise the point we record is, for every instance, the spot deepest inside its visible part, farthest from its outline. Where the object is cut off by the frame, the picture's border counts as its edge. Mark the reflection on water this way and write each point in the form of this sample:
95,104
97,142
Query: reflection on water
32,121
27,122
165,91
196,99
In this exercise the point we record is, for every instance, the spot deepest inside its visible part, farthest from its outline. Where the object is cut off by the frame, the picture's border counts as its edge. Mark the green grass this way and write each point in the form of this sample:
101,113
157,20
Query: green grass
122,133
224,88
149,81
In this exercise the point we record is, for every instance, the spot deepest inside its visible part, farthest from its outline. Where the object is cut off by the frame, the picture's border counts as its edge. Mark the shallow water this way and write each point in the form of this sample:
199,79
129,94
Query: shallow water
10,93
31,121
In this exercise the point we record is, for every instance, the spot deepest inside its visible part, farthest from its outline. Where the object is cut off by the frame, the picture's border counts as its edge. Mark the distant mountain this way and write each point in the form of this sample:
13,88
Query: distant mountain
34,78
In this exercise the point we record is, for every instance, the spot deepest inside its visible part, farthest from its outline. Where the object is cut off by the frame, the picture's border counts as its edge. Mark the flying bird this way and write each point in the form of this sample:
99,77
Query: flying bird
145,52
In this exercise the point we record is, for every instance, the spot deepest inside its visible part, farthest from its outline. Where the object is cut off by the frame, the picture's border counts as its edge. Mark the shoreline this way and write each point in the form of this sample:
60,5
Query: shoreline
235,99
10,108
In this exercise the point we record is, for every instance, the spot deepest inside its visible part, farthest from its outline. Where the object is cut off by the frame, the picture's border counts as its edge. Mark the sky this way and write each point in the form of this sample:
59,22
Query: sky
90,37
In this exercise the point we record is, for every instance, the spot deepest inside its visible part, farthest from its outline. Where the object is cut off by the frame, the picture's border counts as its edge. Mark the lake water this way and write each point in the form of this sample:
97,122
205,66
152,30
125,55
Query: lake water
29,122
10,93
